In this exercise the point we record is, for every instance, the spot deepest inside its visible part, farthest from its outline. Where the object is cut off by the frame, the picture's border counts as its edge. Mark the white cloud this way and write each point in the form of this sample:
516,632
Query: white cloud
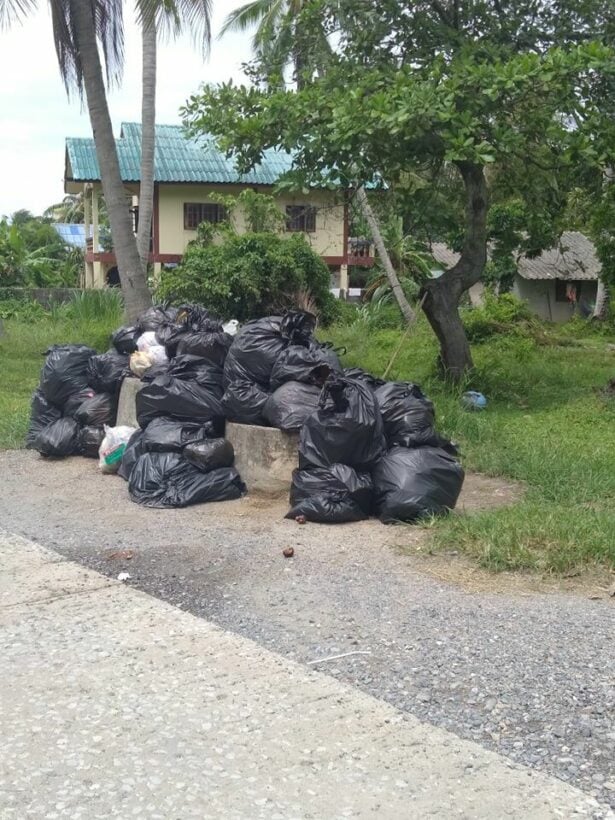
37,115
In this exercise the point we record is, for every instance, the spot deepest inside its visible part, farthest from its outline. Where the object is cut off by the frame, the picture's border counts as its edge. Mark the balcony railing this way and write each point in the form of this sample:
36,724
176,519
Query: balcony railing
360,251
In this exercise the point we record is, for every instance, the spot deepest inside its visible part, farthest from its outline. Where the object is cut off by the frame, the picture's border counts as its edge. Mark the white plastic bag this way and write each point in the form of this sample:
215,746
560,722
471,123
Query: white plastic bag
147,343
231,327
112,448
139,363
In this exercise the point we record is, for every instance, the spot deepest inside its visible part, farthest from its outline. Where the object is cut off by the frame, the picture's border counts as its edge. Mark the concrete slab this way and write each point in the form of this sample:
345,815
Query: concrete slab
127,408
264,456
114,704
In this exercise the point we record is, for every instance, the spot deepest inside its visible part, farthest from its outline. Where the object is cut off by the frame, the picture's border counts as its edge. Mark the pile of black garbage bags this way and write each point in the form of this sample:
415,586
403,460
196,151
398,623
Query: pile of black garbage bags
366,447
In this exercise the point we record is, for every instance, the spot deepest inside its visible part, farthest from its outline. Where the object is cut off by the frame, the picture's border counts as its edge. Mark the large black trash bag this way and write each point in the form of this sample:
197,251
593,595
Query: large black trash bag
59,439
258,344
408,414
160,369
164,435
290,405
42,414
412,483
72,404
178,399
254,351
89,441
312,365
211,454
168,480
361,375
331,494
65,372
107,370
210,342
97,411
346,429
195,368
134,450
124,339
244,402
156,316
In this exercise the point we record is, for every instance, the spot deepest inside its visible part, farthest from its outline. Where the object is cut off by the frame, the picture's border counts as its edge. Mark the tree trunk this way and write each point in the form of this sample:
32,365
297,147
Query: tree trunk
148,141
441,304
601,310
366,209
134,286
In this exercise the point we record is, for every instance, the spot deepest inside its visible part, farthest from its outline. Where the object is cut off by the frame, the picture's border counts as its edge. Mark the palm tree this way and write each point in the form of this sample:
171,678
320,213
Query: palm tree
79,27
281,38
284,36
173,15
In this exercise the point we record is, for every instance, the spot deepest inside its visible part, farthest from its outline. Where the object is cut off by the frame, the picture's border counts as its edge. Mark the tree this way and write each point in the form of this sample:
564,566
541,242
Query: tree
79,27
415,89
295,32
156,16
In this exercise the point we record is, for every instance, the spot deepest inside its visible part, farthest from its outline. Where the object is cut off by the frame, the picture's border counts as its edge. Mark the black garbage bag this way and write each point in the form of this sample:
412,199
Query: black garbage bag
312,365
361,375
290,405
412,483
328,508
97,411
211,454
160,369
254,351
73,403
244,402
346,429
195,368
298,326
339,480
59,439
65,372
168,480
408,415
210,343
42,414
156,316
124,339
133,451
192,317
89,441
178,399
329,354
164,435
168,335
107,370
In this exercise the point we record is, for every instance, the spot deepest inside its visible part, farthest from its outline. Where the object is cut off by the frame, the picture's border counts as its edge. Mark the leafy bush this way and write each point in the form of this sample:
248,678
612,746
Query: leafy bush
497,314
23,309
250,275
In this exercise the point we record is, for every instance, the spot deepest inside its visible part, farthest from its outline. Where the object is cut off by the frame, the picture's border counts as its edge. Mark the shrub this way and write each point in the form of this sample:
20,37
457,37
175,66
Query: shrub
497,314
27,310
250,275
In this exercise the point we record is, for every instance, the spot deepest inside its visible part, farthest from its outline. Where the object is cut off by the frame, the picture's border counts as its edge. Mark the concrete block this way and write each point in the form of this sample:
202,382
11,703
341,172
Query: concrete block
127,405
264,456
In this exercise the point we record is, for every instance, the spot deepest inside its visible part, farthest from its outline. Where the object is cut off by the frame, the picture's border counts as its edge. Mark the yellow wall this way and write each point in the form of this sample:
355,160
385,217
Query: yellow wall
327,240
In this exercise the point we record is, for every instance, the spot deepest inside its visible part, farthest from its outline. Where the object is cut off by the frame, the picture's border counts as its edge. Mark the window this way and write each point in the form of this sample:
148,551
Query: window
197,212
301,218
567,291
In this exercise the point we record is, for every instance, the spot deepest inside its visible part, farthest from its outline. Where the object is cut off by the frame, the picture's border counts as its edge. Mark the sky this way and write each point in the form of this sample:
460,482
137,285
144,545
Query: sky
36,115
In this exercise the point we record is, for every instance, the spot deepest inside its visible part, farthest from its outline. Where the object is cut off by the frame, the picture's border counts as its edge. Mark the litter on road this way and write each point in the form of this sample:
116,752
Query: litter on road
366,446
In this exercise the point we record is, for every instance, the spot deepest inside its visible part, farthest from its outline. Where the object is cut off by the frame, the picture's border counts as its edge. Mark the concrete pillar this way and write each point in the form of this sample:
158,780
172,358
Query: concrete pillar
89,274
99,271
95,234
344,282
157,272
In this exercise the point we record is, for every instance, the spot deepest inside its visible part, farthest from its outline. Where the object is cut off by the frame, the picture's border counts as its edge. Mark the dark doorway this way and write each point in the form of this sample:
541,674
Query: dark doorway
113,277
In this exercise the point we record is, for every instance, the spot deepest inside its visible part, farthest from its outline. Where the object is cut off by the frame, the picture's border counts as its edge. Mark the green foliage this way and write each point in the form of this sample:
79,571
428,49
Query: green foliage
546,425
497,315
33,255
90,306
259,212
250,275
23,309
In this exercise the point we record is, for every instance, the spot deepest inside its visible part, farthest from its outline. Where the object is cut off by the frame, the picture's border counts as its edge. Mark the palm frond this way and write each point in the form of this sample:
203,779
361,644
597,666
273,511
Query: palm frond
247,16
171,17
14,11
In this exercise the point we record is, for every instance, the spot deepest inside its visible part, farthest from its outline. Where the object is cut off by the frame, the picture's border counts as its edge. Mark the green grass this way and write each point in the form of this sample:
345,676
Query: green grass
547,425
22,349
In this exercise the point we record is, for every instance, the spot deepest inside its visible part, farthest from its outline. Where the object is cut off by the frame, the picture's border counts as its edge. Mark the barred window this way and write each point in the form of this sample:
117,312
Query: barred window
197,212
301,218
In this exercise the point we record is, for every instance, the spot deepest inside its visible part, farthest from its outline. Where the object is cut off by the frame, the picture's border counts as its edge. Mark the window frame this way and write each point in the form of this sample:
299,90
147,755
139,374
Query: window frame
301,218
216,215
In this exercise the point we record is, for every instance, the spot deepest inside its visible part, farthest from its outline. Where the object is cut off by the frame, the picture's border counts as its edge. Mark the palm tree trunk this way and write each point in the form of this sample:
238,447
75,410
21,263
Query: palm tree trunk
366,209
148,141
136,295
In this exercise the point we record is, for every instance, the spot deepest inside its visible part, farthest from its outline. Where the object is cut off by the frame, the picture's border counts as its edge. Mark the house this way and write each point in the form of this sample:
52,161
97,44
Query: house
559,283
187,172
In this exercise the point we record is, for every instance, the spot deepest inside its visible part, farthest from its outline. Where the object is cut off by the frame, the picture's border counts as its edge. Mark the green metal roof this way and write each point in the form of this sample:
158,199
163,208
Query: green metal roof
178,159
